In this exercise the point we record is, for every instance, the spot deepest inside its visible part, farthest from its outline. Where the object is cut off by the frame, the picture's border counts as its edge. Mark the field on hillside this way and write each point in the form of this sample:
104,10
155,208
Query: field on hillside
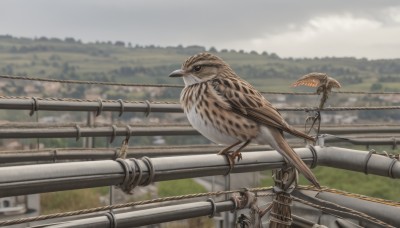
119,62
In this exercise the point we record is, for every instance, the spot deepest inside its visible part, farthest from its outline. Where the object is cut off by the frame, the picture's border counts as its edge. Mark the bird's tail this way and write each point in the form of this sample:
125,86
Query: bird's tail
290,155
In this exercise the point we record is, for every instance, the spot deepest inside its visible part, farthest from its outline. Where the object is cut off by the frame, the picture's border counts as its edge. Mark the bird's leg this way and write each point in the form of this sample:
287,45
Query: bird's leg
226,150
314,119
237,153
232,155
228,156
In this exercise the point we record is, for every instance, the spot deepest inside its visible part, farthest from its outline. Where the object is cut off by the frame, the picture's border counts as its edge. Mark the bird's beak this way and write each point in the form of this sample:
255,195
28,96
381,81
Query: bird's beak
176,73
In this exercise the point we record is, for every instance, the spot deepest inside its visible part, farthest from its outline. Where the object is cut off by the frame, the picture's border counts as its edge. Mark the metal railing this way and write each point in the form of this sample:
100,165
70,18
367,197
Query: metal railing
29,179
166,164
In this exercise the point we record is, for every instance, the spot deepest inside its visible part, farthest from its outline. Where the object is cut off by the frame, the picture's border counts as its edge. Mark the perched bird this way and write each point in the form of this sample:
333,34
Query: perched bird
322,81
228,110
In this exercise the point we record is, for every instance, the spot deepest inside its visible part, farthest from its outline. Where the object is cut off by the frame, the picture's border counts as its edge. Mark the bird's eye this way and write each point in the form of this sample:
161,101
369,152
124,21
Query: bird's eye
197,68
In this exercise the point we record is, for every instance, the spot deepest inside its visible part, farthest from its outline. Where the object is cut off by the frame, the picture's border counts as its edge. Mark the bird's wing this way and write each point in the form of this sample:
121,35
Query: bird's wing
316,79
311,80
242,98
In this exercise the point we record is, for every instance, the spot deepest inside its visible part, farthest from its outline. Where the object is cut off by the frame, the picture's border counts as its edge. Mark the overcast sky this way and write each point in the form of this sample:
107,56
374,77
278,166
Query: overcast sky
305,28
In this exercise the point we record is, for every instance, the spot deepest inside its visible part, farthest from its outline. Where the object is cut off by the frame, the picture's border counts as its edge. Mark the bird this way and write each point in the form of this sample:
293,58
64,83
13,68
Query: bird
322,81
228,110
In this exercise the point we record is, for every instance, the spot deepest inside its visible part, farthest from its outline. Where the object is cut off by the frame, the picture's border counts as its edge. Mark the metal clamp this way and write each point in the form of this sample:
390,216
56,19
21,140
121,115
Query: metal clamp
100,108
315,156
125,167
130,184
390,170
148,110
111,217
122,109
150,167
55,156
372,151
78,132
128,132
213,208
394,143
114,133
35,106
137,180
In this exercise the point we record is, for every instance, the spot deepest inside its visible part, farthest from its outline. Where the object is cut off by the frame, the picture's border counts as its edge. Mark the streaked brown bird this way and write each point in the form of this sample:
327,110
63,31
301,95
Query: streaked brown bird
228,110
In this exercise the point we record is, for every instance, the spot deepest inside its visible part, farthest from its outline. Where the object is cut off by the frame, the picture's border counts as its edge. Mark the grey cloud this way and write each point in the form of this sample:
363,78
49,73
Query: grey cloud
172,22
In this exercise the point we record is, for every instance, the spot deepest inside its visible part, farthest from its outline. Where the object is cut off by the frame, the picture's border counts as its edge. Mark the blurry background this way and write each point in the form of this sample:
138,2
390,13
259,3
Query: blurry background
269,43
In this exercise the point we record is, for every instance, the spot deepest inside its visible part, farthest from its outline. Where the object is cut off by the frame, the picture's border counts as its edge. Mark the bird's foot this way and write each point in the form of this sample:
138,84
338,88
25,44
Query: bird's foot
237,155
231,156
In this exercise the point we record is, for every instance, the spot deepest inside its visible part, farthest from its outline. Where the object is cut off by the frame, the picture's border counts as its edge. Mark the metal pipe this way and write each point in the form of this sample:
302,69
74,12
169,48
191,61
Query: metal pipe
360,161
59,155
55,104
343,130
29,179
152,216
160,212
77,132
60,105
22,180
390,141
386,213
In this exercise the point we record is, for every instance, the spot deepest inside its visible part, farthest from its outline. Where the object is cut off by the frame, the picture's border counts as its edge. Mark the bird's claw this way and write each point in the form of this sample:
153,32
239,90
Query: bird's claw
231,156
237,155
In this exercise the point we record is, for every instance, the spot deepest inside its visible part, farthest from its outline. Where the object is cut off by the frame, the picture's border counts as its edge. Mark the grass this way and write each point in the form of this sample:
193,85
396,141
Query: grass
55,202
179,187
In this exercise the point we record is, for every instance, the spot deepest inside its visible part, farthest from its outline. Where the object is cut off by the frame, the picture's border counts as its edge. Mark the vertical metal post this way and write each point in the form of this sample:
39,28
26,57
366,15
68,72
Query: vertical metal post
320,140
37,139
89,141
227,187
111,187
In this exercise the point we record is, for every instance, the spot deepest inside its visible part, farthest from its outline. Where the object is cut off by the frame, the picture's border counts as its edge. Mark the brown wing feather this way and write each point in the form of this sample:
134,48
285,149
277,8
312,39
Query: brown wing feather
312,79
245,100
307,82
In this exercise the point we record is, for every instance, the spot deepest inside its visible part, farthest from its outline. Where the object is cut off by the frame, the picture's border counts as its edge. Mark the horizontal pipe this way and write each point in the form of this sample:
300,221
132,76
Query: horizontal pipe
96,106
388,214
8,158
359,161
77,132
323,217
151,216
389,141
54,104
58,155
160,212
30,179
360,130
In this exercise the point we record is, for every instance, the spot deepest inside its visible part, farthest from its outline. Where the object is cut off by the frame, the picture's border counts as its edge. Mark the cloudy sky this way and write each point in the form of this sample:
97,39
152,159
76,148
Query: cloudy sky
290,28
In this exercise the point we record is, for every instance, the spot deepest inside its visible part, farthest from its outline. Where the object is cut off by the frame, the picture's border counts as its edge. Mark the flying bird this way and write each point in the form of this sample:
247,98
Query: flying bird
228,110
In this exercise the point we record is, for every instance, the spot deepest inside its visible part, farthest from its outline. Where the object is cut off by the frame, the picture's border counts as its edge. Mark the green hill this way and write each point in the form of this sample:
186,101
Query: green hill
120,62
